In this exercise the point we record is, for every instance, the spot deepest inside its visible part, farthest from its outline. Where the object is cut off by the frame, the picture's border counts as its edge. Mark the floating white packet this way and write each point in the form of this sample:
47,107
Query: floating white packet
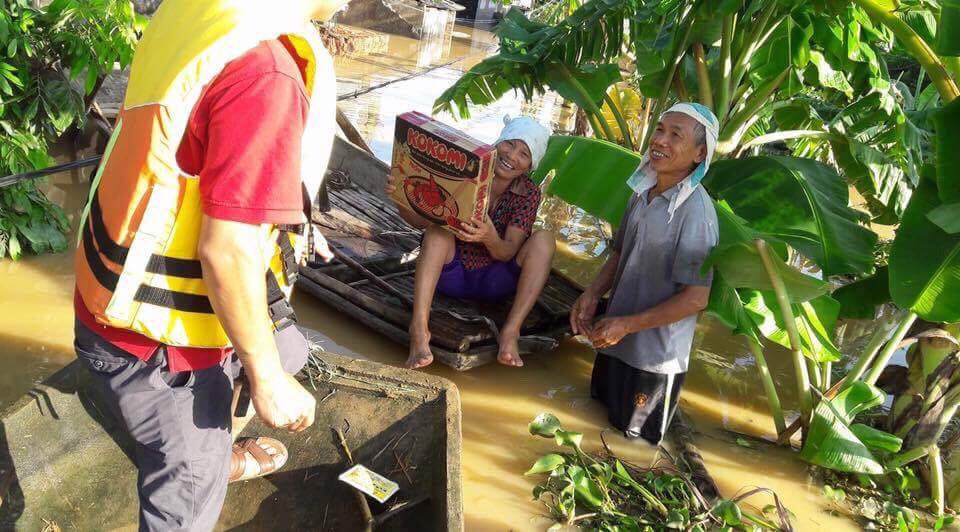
373,484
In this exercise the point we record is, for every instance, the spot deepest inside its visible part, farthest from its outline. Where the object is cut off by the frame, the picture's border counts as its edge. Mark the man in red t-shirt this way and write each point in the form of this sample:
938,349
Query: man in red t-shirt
243,140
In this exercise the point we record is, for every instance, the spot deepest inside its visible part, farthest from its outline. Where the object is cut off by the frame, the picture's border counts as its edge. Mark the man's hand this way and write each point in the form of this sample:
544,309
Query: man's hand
582,312
484,232
281,402
608,332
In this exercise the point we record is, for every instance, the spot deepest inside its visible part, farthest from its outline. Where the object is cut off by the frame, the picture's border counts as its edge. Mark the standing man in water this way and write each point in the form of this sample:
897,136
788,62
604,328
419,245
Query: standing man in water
643,343
191,240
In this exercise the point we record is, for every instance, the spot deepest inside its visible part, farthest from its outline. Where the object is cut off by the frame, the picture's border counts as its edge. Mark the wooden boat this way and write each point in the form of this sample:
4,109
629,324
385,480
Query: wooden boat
66,464
373,279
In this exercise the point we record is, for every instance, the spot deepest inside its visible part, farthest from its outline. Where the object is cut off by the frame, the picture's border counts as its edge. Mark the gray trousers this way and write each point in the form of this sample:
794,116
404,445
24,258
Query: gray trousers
180,424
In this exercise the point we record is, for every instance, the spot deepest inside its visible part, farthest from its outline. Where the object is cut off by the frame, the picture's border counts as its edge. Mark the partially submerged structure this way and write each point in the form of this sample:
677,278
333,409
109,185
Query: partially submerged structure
65,463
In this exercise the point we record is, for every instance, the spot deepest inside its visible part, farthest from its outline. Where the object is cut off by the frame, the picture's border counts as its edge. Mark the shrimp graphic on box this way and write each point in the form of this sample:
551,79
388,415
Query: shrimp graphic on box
445,174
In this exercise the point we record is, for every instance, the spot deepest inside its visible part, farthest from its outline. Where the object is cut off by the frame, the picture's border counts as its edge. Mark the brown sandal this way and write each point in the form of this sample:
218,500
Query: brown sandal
256,457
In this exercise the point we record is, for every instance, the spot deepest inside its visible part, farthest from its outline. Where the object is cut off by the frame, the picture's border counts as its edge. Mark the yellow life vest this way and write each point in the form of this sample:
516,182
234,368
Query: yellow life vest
137,266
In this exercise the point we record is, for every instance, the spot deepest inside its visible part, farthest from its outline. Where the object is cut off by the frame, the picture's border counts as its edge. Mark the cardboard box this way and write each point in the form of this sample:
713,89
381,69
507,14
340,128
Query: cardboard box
444,175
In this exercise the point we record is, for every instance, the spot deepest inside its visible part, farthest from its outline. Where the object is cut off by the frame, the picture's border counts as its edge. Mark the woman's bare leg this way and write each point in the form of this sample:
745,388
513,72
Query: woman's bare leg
437,249
535,259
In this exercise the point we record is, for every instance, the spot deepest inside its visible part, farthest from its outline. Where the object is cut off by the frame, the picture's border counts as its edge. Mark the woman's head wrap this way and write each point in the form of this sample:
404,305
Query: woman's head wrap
529,131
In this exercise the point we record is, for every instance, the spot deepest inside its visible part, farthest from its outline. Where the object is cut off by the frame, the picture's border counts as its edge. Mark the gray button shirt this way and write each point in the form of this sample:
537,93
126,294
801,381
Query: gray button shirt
659,255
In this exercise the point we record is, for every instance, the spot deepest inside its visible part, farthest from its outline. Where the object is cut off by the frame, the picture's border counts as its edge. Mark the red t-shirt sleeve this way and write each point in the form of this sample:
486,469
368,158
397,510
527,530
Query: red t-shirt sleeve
251,166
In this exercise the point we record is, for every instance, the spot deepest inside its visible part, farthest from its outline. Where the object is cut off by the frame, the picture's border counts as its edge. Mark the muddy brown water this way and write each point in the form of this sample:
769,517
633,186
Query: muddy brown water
722,391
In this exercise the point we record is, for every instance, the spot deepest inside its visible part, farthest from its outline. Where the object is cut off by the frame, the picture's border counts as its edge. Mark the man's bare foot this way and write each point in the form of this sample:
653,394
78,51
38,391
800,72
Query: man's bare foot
420,353
509,354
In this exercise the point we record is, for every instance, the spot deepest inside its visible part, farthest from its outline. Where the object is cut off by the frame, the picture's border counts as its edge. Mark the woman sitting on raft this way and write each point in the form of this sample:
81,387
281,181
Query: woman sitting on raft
490,260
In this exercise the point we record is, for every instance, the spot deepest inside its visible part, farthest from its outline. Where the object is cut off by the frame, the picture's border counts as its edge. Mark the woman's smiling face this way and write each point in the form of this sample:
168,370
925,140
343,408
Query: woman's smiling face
513,159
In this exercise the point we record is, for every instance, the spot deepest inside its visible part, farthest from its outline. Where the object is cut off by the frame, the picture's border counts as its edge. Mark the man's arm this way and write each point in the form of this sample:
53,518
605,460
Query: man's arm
688,301
697,238
233,257
585,307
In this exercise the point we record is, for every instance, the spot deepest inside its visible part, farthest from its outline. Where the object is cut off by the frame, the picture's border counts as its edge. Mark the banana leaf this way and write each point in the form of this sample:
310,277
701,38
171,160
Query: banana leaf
530,51
737,260
859,300
947,217
589,173
801,202
728,308
593,81
816,321
831,441
947,123
925,261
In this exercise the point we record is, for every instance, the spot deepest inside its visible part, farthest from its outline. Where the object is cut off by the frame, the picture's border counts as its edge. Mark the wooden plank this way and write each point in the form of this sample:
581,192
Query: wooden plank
458,361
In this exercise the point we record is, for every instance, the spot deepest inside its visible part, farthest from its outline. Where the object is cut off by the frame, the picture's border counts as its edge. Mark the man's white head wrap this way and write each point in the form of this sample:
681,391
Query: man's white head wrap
529,131
645,177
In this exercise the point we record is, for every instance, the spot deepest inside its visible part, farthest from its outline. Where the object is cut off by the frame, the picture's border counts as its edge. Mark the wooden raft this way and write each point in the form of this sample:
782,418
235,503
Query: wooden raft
372,279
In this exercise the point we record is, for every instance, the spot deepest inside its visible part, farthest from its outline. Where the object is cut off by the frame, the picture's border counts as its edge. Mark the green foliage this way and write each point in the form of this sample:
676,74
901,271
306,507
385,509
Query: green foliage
51,60
835,442
604,493
573,160
860,299
925,261
800,202
534,55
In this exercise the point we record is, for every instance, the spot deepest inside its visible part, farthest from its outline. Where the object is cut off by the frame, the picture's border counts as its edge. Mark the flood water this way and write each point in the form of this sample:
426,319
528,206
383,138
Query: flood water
722,391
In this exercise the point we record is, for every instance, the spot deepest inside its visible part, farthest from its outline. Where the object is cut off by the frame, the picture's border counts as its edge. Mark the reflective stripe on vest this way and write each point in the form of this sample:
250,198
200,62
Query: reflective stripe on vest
137,265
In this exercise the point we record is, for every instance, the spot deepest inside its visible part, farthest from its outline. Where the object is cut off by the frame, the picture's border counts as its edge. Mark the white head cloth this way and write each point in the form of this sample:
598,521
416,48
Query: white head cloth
528,130
644,177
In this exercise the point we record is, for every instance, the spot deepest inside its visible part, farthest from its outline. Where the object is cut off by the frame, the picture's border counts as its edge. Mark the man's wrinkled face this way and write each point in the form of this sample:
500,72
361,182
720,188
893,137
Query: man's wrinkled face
675,147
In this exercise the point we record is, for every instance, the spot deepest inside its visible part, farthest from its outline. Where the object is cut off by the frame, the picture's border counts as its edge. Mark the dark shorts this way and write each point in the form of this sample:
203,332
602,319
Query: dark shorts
494,282
639,403
180,424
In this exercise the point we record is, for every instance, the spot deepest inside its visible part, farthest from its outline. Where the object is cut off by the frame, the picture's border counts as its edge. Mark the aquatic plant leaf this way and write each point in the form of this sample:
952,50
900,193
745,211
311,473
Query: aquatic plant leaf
925,262
859,300
798,201
729,512
546,464
568,439
831,443
545,425
585,487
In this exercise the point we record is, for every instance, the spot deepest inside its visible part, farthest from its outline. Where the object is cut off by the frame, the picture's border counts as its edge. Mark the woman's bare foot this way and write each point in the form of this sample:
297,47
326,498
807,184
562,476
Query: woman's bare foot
509,354
420,353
